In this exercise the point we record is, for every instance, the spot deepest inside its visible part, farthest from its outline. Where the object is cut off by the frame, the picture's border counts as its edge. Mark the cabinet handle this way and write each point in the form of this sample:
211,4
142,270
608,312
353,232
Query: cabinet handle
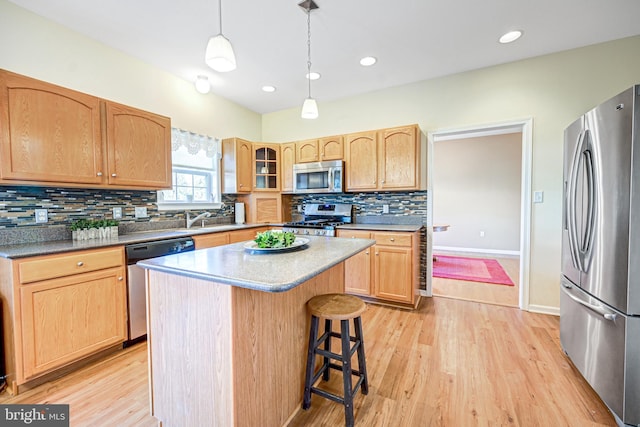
120,278
80,263
392,239
113,174
99,174
366,253
382,181
377,254
241,185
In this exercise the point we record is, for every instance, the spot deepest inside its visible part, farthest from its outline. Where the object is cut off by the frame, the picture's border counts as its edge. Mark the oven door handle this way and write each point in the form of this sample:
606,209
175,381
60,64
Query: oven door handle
331,186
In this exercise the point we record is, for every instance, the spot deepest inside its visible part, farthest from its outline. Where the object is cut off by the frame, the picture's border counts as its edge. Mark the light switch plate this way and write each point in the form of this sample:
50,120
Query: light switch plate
41,216
141,212
117,213
538,196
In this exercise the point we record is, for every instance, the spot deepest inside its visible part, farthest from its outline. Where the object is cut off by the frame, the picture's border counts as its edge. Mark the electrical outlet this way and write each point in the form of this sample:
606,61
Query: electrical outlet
300,208
141,212
482,234
385,208
117,213
41,216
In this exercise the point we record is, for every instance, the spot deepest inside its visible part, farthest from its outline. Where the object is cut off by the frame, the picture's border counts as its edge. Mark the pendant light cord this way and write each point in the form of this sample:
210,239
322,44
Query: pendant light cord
309,47
220,14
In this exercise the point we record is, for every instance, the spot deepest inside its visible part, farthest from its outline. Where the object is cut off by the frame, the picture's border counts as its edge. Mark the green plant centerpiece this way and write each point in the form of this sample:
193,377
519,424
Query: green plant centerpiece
274,239
85,229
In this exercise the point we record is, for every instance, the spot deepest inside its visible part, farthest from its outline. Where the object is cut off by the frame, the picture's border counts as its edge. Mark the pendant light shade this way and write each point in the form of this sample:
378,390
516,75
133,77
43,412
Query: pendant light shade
309,109
219,54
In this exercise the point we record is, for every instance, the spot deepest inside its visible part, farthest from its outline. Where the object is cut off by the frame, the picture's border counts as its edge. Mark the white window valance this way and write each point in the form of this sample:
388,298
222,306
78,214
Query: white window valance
194,143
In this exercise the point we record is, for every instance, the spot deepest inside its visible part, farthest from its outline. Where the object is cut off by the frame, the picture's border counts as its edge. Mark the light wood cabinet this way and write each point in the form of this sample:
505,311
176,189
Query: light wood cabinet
139,147
387,272
307,151
61,309
266,167
50,135
331,148
203,241
387,159
361,160
264,208
236,166
320,150
288,159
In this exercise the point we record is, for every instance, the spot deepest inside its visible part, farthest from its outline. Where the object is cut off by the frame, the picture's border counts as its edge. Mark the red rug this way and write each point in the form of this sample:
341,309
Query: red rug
470,269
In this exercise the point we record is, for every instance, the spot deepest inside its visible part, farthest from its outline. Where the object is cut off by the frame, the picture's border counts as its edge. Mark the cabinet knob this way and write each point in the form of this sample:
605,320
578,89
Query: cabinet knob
383,181
366,253
377,254
241,185
113,174
99,174
120,279
392,239
80,263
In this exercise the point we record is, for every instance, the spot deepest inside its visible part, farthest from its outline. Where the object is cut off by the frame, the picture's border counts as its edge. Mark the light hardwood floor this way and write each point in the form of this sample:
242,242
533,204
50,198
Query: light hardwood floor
449,363
482,292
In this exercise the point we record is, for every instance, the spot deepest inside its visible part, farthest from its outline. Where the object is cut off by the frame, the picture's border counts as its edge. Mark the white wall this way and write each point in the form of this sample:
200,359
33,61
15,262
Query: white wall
42,49
476,188
552,90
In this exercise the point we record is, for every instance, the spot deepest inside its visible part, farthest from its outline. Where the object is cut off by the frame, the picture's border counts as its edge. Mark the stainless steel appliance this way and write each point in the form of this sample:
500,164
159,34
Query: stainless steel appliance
318,177
600,298
321,219
136,294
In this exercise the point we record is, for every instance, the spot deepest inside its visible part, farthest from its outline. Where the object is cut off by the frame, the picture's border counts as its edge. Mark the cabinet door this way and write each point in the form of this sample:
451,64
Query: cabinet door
266,208
236,166
361,161
307,151
244,150
398,158
48,133
357,269
204,241
245,235
139,147
393,273
66,319
331,148
288,158
266,167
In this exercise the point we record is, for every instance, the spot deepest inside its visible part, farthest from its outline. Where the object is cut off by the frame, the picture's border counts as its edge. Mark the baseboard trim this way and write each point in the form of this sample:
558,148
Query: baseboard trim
544,309
476,251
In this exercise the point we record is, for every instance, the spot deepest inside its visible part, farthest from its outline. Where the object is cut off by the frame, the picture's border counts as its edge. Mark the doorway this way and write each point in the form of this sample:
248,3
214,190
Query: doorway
499,229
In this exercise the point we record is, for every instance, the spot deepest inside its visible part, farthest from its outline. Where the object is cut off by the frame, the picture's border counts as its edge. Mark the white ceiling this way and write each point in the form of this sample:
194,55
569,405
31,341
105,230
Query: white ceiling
412,39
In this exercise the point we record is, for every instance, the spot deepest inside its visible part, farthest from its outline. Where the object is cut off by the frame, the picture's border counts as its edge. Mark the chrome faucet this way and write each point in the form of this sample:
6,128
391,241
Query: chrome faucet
191,221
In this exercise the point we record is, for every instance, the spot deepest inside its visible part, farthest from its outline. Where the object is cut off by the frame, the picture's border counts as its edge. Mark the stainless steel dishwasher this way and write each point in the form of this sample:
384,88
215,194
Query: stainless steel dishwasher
136,293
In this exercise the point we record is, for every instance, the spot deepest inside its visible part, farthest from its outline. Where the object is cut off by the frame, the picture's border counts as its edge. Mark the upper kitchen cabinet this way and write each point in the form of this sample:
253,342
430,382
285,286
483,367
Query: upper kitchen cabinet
331,148
139,147
48,134
399,158
361,158
288,158
307,151
53,136
266,167
236,166
387,159
319,150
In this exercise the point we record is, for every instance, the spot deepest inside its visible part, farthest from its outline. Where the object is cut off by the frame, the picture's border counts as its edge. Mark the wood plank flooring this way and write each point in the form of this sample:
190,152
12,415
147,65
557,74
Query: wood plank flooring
482,292
449,363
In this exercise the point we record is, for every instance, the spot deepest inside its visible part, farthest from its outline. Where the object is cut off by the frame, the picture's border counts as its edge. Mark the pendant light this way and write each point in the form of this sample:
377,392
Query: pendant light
310,107
219,54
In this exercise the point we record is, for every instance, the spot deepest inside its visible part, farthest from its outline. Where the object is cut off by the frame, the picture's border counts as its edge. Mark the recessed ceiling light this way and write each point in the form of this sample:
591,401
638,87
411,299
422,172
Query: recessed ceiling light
269,88
511,36
368,61
313,75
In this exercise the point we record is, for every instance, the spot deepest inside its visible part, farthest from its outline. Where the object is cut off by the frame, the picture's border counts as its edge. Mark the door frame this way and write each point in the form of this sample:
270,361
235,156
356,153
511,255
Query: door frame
524,126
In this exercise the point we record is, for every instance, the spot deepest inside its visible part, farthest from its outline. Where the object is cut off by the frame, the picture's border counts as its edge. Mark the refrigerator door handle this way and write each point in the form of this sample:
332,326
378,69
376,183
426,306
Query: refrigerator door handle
596,309
571,195
592,201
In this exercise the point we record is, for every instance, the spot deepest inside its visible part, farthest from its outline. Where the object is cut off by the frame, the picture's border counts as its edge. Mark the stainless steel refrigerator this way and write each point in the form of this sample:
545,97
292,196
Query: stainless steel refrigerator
600,292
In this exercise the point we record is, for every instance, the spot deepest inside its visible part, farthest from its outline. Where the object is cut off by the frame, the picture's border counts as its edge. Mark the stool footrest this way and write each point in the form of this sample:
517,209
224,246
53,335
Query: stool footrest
336,356
335,397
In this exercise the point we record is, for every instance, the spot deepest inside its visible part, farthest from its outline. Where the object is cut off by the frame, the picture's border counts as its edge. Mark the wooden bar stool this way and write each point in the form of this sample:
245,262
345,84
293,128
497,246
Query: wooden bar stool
343,308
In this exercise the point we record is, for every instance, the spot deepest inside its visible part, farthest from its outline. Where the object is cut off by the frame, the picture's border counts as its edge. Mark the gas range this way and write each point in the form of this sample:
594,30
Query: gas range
321,219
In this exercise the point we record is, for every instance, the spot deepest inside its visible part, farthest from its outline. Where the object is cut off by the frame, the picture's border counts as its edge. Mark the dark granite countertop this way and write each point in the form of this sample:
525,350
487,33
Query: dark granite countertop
381,227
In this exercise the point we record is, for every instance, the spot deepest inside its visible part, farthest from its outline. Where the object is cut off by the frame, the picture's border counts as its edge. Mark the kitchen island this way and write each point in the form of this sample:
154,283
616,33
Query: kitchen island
228,330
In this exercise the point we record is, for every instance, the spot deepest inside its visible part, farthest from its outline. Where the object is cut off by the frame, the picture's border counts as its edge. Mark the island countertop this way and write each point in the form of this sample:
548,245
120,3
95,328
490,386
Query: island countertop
268,272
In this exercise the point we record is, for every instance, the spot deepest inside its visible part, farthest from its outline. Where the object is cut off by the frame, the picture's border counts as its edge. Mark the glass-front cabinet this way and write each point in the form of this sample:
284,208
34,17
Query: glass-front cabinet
266,167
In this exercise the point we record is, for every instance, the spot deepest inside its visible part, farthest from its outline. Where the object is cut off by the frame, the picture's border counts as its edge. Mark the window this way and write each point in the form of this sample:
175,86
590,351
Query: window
196,172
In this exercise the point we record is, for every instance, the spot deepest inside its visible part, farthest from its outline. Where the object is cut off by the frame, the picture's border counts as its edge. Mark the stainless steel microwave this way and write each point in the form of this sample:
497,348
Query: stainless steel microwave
318,177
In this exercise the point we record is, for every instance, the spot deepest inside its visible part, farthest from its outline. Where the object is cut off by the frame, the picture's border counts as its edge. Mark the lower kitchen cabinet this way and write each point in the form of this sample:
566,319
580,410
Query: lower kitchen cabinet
62,308
386,272
211,240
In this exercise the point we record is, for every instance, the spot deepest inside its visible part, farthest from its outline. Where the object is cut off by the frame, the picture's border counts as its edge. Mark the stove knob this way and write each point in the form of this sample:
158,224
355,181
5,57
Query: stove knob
306,231
318,233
